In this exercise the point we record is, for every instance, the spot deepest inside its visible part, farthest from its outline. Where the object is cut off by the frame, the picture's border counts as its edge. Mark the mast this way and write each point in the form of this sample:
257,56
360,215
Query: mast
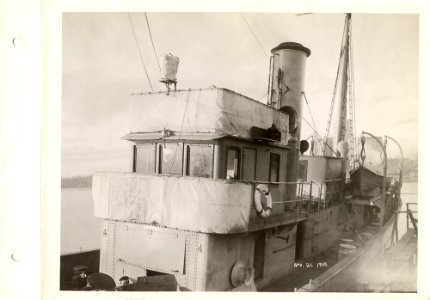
342,106
343,79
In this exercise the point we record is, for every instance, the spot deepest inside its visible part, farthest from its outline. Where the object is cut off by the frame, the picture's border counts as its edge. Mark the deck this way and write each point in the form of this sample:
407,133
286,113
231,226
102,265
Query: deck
396,271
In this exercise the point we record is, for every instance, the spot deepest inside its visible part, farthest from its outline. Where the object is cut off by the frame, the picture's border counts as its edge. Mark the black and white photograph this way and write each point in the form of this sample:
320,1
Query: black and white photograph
234,151
191,149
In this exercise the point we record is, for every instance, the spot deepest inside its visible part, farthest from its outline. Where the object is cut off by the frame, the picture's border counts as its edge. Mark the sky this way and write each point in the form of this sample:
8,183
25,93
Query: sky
101,67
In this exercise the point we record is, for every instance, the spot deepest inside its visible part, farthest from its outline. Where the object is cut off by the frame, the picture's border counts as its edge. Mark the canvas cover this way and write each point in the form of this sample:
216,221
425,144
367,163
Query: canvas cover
366,183
187,203
211,110
169,67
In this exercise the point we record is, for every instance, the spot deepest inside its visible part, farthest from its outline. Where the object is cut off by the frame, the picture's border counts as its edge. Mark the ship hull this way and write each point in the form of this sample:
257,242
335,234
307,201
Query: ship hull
204,262
342,276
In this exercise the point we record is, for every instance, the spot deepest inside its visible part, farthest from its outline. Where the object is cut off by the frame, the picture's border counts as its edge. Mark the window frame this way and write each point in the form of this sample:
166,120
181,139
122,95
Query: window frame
239,157
134,158
159,157
272,154
135,152
255,162
187,158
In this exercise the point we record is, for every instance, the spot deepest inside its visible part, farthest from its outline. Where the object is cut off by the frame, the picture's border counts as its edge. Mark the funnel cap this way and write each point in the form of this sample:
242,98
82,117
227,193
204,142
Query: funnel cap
292,46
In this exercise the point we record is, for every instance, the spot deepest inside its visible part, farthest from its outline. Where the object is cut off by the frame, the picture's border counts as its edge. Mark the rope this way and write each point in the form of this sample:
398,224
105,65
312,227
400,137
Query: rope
336,82
349,216
312,118
334,152
353,88
261,98
180,131
152,42
255,36
138,49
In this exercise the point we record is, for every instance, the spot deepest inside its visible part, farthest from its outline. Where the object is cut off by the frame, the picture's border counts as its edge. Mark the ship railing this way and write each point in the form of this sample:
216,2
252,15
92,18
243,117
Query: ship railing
411,219
331,192
302,203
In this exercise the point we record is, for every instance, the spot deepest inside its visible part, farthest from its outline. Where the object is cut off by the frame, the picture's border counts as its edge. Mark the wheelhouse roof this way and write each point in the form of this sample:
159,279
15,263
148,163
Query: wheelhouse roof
204,137
212,110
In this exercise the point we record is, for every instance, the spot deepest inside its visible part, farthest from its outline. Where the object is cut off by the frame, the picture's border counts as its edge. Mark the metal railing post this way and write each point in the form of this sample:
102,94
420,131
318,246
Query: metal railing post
283,211
407,216
297,202
397,228
325,199
301,199
310,198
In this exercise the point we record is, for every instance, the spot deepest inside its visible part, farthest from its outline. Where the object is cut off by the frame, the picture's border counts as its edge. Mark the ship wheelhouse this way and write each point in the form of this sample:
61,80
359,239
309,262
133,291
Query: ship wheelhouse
218,157
189,196
209,156
212,144
212,194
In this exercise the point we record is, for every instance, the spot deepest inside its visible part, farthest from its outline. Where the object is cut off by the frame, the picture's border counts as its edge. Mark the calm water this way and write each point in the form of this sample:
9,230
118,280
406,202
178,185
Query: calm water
80,230
409,194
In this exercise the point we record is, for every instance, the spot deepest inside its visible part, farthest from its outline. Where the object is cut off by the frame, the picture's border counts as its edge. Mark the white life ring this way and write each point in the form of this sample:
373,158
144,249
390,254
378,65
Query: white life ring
262,191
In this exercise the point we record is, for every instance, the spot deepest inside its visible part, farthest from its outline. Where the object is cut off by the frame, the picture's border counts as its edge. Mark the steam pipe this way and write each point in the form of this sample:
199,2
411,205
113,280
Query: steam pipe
288,73
269,84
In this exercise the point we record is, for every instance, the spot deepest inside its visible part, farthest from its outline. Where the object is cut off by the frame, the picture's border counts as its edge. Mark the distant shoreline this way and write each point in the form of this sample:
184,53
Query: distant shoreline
77,182
76,187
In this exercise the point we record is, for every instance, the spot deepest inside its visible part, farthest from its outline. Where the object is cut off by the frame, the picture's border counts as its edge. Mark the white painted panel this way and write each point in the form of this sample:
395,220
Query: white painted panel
156,249
189,203
211,110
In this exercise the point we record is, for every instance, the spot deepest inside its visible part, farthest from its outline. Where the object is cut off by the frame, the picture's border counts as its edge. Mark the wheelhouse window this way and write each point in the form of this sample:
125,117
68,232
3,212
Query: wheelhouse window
274,167
248,163
145,158
199,160
233,163
170,158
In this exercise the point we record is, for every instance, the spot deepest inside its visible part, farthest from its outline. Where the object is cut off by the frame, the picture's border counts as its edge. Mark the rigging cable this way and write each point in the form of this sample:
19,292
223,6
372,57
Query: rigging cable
140,53
259,43
180,130
336,83
325,143
312,118
152,42
261,98
253,33
353,95
350,108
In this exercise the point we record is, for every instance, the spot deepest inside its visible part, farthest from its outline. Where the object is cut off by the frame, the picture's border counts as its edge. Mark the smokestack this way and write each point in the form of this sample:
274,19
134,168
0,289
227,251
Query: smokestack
286,85
287,82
